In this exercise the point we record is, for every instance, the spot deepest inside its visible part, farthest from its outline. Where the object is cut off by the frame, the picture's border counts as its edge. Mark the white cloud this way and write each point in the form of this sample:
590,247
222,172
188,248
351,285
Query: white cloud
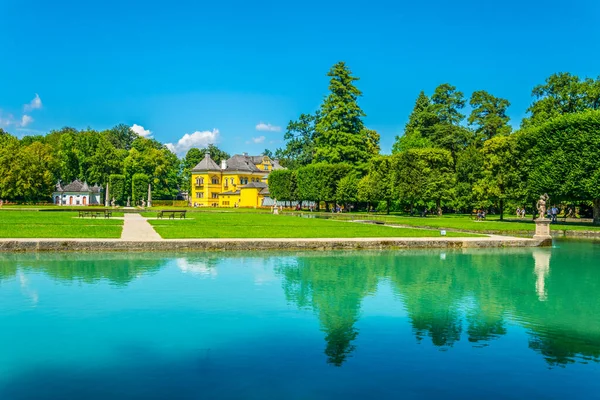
141,131
259,139
267,127
196,139
33,104
25,120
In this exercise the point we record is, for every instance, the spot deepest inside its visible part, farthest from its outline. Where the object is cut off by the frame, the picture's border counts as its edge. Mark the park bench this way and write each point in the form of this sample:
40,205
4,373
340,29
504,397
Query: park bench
172,213
95,213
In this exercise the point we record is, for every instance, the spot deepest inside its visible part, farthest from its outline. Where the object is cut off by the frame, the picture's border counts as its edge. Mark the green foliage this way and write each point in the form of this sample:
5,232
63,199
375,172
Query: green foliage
423,175
500,178
319,182
446,103
282,185
560,158
139,188
562,93
469,170
488,115
116,188
367,189
436,123
268,153
300,138
410,140
26,171
340,132
347,189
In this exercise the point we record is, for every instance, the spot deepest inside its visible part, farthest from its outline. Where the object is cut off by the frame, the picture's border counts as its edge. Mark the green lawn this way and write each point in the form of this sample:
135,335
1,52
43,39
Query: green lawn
492,224
64,224
255,225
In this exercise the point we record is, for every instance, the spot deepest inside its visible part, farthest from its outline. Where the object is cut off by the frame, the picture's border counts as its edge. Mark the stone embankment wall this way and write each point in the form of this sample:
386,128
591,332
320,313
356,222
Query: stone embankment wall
94,245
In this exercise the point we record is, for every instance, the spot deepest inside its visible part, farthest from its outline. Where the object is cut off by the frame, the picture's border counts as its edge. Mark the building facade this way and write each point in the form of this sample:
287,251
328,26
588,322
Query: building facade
77,193
241,181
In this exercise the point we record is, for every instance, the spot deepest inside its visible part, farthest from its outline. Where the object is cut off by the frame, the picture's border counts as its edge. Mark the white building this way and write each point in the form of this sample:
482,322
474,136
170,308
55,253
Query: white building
77,194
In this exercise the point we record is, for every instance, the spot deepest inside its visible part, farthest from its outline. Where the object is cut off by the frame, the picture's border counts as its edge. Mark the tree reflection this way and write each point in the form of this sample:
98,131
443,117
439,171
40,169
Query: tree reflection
118,268
334,288
470,293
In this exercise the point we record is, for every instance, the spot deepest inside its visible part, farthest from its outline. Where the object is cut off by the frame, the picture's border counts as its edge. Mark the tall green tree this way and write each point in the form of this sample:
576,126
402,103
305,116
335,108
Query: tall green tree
488,115
562,93
446,103
300,138
501,175
423,175
419,120
340,132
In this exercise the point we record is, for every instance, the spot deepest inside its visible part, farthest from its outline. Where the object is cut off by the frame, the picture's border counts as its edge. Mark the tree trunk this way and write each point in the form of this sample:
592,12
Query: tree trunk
596,207
501,209
438,205
388,207
412,208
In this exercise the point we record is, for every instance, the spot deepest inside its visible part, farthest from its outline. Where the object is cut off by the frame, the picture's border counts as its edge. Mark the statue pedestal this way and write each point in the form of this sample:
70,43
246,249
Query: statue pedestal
542,231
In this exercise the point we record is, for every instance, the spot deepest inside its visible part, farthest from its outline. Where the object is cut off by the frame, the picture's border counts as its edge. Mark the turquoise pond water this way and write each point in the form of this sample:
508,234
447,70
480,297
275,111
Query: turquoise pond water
520,323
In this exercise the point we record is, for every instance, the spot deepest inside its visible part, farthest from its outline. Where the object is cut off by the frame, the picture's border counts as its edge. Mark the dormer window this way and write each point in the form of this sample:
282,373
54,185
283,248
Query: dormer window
215,181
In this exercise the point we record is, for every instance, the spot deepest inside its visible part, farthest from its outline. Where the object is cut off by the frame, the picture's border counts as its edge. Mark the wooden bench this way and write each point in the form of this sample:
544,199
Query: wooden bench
171,213
95,213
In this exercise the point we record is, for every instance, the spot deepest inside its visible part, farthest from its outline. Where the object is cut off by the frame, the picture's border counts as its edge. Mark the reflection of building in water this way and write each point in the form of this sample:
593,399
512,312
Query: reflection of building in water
541,271
196,267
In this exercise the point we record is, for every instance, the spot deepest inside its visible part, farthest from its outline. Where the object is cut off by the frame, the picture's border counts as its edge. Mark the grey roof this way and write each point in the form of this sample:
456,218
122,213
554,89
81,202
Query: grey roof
230,192
258,185
207,164
276,165
242,163
265,191
78,186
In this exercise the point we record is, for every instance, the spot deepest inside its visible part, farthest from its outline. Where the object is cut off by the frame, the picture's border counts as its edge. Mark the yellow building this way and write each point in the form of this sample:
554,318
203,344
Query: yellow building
240,181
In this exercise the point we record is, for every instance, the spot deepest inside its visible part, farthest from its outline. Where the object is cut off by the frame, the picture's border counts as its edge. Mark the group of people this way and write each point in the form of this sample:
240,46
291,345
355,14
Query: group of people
551,213
479,215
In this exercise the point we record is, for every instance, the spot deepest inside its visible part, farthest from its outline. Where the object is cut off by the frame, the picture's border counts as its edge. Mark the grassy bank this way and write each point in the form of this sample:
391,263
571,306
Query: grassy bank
254,225
492,224
34,224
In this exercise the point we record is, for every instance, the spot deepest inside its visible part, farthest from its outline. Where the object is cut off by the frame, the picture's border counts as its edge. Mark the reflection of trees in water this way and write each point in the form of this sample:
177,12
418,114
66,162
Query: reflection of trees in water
473,292
334,288
117,268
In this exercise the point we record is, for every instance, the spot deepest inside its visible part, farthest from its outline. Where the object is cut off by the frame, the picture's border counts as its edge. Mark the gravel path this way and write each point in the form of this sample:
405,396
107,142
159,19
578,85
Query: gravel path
136,228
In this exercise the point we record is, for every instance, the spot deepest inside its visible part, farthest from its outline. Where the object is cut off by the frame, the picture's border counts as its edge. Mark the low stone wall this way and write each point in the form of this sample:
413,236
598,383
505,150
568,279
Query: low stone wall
95,245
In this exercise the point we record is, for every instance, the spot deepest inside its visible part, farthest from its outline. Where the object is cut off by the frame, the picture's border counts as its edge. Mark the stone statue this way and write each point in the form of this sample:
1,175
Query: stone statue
541,205
128,202
143,203
112,202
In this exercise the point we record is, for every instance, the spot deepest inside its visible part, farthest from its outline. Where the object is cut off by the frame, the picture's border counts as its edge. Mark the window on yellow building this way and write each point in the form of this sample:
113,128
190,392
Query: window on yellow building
215,181
266,167
215,195
199,195
199,181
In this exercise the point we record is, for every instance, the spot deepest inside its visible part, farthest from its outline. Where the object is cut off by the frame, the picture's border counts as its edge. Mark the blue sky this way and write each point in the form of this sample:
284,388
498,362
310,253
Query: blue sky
219,69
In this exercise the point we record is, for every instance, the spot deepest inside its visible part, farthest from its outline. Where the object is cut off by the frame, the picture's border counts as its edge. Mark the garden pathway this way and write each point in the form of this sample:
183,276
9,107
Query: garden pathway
135,227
